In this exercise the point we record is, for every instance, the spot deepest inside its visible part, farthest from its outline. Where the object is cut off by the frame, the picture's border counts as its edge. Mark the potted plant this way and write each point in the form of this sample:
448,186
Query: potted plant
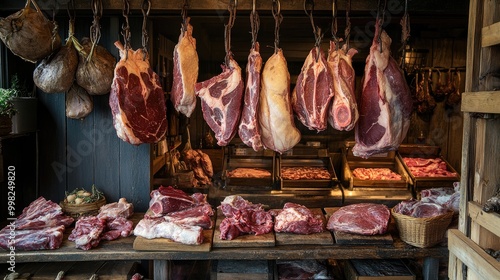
25,105
7,110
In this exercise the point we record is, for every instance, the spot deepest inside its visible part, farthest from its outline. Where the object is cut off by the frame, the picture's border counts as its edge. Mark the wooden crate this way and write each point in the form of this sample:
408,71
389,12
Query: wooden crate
480,149
377,270
242,269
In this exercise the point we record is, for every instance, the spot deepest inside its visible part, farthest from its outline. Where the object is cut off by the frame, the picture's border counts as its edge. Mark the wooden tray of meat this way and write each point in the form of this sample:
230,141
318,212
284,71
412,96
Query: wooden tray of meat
426,167
165,244
381,171
247,240
321,238
306,173
358,239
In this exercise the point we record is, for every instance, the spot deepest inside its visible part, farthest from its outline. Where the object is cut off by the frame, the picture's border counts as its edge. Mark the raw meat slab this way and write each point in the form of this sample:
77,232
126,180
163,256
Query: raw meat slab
248,240
165,244
321,238
358,239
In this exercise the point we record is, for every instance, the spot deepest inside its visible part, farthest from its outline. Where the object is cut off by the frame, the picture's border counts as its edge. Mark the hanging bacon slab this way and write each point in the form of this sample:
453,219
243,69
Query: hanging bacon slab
385,106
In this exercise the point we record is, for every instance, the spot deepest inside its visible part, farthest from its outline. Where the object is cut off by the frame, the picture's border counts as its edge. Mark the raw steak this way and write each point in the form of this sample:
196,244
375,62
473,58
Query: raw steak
313,91
275,110
375,174
87,232
194,216
183,94
137,100
42,213
420,209
167,199
243,217
428,167
249,129
116,228
122,208
296,218
343,113
243,172
33,239
386,105
159,228
361,218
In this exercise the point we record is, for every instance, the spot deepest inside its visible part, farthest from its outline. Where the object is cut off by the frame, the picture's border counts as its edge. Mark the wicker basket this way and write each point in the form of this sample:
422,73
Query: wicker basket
79,210
422,232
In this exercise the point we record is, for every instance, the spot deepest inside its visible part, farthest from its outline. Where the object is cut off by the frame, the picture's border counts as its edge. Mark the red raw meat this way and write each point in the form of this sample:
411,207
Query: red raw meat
249,129
313,91
361,218
296,218
42,213
428,167
343,113
185,71
117,227
167,199
385,106
122,208
221,101
87,232
137,99
420,209
243,217
33,239
194,216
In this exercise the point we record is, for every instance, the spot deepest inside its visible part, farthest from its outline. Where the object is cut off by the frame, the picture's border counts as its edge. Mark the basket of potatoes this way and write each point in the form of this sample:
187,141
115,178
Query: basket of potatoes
81,202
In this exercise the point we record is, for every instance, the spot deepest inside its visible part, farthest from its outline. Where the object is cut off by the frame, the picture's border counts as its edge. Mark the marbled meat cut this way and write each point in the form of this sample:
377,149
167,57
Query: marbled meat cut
116,228
305,173
361,218
167,199
447,197
375,174
420,209
122,208
87,232
296,218
185,71
160,228
137,99
221,101
428,167
385,106
195,216
32,239
343,113
42,213
243,172
243,217
275,109
313,91
249,129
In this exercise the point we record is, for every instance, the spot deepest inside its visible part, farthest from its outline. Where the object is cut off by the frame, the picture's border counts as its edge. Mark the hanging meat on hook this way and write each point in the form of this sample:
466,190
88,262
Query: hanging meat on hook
385,105
249,129
426,103
221,96
440,92
275,110
455,97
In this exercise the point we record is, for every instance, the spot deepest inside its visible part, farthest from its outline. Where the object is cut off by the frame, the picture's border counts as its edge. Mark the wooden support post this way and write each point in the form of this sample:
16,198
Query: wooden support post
161,268
430,270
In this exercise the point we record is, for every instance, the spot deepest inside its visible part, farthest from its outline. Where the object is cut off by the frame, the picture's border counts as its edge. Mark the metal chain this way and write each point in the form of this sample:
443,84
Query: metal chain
334,20
348,23
184,11
278,18
145,8
255,24
381,18
308,9
126,27
227,28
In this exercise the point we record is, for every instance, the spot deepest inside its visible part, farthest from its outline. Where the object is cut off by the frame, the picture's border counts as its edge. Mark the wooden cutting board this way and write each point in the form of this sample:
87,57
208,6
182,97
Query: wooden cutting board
321,238
358,239
165,244
248,240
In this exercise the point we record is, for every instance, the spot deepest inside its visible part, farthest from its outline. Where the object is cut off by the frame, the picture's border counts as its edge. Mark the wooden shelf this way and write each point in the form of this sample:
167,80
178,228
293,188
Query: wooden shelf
159,162
472,255
490,221
490,35
481,102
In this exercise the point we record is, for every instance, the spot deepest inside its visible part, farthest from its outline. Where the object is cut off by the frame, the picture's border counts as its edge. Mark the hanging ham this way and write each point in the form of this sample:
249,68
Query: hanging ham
313,91
343,113
183,94
386,105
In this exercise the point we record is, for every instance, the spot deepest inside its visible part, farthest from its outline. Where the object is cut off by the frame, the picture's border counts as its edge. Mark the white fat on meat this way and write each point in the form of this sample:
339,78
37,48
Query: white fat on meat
185,71
159,228
275,110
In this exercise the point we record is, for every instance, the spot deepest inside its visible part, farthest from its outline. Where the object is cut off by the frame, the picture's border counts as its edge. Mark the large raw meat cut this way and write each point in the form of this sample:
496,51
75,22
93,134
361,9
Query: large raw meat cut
296,218
249,129
275,109
385,105
420,209
221,100
194,216
116,228
137,99
160,228
313,91
87,232
32,239
361,218
185,71
113,210
42,213
167,199
343,113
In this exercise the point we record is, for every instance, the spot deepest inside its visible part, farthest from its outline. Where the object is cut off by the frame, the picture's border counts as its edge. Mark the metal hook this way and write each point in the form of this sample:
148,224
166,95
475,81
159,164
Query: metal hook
146,4
253,7
276,10
310,4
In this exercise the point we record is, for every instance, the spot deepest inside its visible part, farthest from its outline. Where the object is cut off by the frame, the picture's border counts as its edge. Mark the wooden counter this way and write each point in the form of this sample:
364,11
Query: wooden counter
121,249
